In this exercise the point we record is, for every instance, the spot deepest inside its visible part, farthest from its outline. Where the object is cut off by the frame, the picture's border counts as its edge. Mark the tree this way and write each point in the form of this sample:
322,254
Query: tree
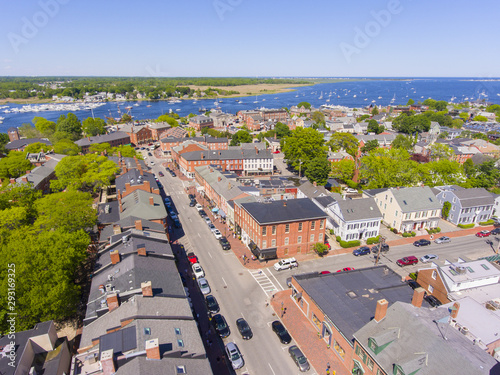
362,118
434,104
370,145
404,142
443,135
480,118
29,131
14,165
344,141
94,126
464,116
441,172
446,209
317,170
457,123
487,175
282,130
343,170
125,151
47,263
241,136
440,151
320,248
302,145
4,139
70,125
306,105
70,211
98,148
169,120
84,172
410,102
318,118
37,147
374,111
44,126
66,147
374,127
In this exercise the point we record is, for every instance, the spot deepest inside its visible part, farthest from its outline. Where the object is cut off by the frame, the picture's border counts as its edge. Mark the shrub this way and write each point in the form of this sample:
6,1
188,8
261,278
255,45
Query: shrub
338,239
320,248
466,226
331,232
372,240
437,230
406,234
346,244
413,275
352,184
413,234
489,222
394,230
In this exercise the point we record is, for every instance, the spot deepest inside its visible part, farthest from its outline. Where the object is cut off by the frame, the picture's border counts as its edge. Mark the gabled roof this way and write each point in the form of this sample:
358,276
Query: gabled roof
134,177
21,143
472,197
104,138
127,223
325,201
311,191
137,204
359,209
283,211
416,198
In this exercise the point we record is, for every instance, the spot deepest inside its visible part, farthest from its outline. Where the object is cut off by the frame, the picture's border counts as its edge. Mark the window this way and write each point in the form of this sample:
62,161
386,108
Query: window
286,240
287,228
338,349
264,231
180,343
299,239
300,227
273,243
313,225
390,200
321,224
316,321
369,363
312,238
372,345
181,369
430,289
434,274
274,229
264,244
177,331
396,213
320,237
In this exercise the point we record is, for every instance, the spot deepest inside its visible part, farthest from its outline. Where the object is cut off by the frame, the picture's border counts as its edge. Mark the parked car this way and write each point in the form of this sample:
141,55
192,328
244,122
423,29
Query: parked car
433,301
281,331
192,196
212,304
192,258
202,213
199,207
192,203
443,239
207,220
152,162
150,154
384,248
285,264
172,173
172,214
299,358
413,284
495,231
422,242
407,261
346,269
211,226
203,284
198,270
428,257
225,243
234,355
168,201
177,222
244,328
483,233
160,173
221,326
363,250
350,190
217,234
324,272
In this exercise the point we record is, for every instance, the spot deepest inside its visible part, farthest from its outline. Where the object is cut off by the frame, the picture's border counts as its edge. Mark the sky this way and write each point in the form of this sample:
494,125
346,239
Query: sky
278,38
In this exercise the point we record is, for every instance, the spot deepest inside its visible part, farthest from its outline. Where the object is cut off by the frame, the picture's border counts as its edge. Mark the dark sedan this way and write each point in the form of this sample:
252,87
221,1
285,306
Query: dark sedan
281,331
221,325
244,328
363,250
225,243
422,242
212,304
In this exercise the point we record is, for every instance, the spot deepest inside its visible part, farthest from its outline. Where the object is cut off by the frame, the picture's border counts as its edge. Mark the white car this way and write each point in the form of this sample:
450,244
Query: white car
198,271
428,258
207,220
198,206
234,355
217,234
285,264
350,190
203,284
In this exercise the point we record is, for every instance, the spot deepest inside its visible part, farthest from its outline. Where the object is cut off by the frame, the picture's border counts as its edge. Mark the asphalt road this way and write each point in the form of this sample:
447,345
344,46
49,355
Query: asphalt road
245,293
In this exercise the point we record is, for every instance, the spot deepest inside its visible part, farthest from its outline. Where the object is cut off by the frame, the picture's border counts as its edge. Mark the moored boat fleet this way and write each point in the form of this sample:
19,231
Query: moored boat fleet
52,107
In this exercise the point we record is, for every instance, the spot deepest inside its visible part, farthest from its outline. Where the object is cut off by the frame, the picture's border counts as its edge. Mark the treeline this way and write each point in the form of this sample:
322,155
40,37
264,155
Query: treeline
154,87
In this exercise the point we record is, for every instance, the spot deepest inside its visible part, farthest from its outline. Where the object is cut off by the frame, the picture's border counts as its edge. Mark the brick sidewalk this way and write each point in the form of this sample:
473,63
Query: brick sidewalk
305,335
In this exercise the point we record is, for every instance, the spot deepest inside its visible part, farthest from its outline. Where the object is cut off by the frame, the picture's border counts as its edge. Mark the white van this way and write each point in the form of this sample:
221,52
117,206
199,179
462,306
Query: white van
285,264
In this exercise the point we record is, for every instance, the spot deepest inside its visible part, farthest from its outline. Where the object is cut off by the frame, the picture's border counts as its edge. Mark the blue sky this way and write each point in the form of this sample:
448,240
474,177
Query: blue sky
250,38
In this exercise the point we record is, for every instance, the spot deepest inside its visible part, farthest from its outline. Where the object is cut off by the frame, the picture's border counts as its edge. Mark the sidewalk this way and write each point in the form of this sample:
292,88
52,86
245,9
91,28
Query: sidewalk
305,335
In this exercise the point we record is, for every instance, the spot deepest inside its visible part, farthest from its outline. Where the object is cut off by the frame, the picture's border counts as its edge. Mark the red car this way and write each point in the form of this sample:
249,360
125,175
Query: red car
483,233
192,258
407,261
346,269
324,272
276,152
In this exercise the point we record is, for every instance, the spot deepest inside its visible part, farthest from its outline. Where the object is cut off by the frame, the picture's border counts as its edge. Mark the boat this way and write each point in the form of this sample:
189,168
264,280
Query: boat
149,105
256,101
136,105
263,100
277,97
321,96
379,97
354,95
237,101
202,109
178,109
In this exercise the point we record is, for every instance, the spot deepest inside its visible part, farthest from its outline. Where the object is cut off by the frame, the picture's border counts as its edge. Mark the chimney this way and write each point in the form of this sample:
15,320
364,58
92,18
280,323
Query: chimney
24,179
315,184
147,289
117,229
142,251
108,362
418,297
152,349
381,309
112,301
125,170
127,186
115,256
28,172
147,185
12,180
201,155
284,203
219,179
151,201
121,207
454,310
138,224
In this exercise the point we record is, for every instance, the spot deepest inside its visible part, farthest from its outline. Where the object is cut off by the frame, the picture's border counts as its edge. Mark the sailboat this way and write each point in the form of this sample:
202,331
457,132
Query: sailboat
393,98
256,101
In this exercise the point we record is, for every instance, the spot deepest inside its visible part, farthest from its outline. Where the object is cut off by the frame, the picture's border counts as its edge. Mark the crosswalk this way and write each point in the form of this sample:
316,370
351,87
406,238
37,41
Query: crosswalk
264,281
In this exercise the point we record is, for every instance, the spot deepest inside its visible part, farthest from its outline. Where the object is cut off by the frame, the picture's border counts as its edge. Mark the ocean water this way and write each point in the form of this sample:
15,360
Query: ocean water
355,94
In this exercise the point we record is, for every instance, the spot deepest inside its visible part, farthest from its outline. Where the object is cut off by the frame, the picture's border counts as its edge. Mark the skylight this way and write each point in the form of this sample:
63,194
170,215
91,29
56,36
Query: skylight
485,266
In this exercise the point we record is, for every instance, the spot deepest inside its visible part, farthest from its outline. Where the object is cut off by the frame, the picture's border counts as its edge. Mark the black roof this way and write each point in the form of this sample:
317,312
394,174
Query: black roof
21,143
284,211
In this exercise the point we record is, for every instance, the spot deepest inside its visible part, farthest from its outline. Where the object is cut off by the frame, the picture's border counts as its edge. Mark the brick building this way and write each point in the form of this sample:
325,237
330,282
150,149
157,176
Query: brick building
200,122
280,228
114,139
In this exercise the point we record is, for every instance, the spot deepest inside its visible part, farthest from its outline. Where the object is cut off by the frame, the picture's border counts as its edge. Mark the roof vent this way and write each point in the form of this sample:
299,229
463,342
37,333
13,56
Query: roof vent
351,294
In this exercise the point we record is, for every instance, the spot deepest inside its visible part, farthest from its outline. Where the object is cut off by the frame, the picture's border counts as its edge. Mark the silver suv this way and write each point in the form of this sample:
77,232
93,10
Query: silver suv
234,355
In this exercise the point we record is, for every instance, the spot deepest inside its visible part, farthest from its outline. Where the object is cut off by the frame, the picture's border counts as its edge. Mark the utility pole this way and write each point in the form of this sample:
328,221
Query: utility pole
381,243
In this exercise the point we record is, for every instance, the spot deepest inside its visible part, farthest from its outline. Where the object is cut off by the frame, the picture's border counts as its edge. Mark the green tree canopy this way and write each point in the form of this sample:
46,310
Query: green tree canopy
374,111
410,102
66,147
374,127
404,142
4,139
318,118
94,126
306,105
440,151
241,136
282,130
29,131
409,123
370,145
441,172
44,126
480,118
344,141
37,147
98,148
70,124
317,170
343,170
434,104
168,119
302,145
14,165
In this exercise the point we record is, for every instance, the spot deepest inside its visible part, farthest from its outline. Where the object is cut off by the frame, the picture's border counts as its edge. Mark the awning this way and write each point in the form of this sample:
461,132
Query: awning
222,214
215,209
263,254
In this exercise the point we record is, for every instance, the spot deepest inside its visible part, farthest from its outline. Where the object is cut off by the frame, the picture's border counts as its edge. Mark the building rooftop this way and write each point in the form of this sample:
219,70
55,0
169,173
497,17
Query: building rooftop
21,143
266,213
240,153
138,204
312,191
87,141
359,209
134,177
416,198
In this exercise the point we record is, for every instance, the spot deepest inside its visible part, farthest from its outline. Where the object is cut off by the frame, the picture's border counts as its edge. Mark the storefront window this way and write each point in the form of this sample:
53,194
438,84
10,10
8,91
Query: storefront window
338,349
316,321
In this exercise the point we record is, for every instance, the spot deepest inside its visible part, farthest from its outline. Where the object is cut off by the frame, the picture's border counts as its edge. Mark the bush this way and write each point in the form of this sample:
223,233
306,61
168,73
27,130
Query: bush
394,230
489,222
331,232
433,230
413,275
346,244
466,226
352,184
338,239
320,248
372,240
413,234
406,234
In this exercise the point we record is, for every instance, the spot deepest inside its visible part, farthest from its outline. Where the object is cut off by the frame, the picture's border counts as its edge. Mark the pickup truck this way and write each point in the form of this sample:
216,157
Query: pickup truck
285,264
